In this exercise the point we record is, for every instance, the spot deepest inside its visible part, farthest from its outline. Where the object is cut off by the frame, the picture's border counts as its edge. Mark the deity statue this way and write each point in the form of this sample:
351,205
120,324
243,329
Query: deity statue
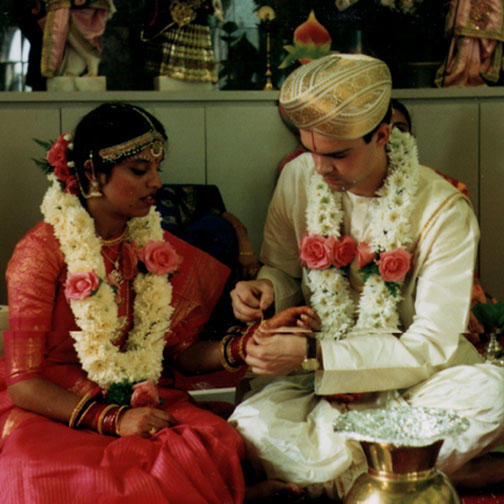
177,42
475,53
72,31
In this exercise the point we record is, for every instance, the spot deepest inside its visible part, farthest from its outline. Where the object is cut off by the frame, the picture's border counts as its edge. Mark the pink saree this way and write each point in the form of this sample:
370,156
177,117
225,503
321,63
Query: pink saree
44,461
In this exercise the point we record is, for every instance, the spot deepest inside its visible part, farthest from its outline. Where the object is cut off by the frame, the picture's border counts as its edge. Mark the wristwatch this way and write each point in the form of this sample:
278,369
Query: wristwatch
311,362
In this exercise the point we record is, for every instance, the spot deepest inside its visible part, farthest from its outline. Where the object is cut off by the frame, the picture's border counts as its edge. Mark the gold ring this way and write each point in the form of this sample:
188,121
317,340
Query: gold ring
152,431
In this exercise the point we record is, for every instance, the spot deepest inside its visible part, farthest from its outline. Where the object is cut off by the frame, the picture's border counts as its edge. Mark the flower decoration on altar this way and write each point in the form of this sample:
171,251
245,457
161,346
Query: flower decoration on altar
311,41
383,262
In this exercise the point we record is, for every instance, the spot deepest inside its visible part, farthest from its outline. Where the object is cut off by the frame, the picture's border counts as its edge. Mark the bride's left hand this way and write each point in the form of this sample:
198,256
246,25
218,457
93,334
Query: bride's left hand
277,346
303,317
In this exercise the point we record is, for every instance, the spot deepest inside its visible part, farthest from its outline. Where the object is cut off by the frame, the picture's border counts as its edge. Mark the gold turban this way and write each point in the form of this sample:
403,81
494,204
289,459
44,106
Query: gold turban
343,96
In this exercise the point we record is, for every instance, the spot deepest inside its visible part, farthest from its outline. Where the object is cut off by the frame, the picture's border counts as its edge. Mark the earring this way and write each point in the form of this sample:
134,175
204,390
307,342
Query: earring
94,190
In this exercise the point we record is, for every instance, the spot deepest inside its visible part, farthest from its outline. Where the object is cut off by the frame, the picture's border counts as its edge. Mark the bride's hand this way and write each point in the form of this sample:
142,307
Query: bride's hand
144,421
278,345
302,317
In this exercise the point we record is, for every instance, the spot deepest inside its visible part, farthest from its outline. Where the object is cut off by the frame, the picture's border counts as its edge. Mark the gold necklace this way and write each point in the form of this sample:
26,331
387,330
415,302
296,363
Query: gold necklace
116,277
113,241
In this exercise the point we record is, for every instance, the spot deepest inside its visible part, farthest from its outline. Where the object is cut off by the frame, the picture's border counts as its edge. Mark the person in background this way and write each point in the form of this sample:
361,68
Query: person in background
384,250
400,116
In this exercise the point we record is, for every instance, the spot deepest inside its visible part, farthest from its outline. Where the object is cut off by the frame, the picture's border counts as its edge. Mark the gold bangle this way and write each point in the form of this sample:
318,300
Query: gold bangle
99,424
84,413
79,406
223,358
118,415
222,349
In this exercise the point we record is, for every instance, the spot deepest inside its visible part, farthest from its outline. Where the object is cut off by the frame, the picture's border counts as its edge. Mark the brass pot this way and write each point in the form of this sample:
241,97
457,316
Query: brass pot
401,475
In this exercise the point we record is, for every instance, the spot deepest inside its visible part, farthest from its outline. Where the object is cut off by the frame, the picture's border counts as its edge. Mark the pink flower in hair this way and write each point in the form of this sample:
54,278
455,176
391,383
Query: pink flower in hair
57,157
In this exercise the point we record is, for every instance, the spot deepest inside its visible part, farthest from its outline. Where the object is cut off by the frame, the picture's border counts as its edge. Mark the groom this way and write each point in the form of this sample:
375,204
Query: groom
384,250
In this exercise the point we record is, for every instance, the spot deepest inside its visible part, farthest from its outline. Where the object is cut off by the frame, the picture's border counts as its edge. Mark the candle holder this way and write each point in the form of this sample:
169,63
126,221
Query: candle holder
266,15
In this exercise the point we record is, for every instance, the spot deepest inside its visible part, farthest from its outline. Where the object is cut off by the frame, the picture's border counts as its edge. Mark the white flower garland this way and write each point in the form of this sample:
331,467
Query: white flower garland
97,315
332,295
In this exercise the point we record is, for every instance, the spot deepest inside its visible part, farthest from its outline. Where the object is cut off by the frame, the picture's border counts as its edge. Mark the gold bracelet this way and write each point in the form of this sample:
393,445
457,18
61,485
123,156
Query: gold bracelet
223,358
116,420
84,413
80,405
99,424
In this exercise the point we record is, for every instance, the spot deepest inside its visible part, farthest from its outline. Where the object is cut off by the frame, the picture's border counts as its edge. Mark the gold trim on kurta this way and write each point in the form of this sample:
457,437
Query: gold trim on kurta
434,214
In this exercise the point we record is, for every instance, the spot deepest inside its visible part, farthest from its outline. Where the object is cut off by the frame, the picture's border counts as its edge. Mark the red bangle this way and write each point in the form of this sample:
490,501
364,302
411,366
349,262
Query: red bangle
90,417
233,354
244,339
110,419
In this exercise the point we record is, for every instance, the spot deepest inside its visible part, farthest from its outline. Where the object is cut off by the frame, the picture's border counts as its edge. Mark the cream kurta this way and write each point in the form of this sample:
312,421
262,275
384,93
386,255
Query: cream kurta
287,422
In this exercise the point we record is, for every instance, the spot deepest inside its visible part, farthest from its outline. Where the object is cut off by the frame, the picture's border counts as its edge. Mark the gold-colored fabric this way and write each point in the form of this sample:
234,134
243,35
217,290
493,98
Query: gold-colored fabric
343,96
24,353
15,418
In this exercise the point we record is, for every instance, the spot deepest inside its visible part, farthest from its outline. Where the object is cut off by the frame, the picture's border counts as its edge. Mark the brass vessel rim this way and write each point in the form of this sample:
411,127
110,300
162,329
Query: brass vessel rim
405,476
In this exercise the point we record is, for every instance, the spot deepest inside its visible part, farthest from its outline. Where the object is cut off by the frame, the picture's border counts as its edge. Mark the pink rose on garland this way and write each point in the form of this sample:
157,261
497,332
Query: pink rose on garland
364,254
342,250
81,285
159,257
315,252
394,265
145,394
129,260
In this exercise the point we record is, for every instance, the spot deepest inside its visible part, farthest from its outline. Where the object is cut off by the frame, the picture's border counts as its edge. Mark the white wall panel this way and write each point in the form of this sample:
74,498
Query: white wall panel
245,144
23,183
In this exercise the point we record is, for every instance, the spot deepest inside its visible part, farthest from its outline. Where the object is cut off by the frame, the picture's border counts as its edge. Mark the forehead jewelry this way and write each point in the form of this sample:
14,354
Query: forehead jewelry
129,148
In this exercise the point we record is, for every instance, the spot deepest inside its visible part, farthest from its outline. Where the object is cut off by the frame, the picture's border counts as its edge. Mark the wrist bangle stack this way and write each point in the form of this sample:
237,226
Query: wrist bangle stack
82,407
233,347
117,417
103,418
226,357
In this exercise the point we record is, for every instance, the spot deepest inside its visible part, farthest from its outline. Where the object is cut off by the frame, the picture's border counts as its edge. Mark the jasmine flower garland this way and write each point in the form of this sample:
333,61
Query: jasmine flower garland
96,314
332,295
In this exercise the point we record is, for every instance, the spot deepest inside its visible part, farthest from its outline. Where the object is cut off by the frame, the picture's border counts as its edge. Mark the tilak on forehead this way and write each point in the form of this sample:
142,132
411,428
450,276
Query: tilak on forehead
342,96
